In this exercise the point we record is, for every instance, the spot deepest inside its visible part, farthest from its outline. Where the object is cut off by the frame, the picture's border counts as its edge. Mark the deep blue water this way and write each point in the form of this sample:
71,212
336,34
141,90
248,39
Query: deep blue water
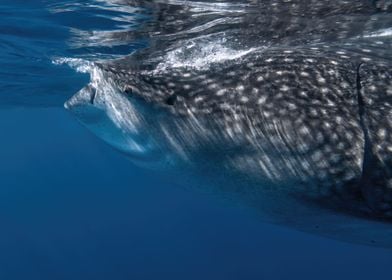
71,207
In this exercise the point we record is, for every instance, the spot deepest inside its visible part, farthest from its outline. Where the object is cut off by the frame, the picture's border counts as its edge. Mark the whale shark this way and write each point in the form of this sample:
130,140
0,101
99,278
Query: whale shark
298,128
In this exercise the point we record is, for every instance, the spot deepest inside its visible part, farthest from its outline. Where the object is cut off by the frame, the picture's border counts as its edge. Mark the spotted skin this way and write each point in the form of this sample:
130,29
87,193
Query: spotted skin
304,118
300,105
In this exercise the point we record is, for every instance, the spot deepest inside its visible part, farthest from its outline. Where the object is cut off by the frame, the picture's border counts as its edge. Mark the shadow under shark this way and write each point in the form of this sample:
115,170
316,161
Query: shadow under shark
301,133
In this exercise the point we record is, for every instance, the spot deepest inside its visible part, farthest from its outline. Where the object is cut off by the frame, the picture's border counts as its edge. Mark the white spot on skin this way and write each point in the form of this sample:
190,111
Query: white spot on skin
244,99
324,90
321,80
344,85
317,156
266,114
382,133
220,92
225,106
212,86
261,100
284,88
304,74
240,88
349,135
199,99
331,103
304,130
292,106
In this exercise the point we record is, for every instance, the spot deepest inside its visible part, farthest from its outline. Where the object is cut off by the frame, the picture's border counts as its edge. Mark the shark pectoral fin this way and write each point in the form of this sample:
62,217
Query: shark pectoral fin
375,89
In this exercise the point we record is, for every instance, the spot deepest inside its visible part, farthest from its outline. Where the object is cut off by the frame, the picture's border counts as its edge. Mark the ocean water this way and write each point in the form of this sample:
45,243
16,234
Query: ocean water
72,207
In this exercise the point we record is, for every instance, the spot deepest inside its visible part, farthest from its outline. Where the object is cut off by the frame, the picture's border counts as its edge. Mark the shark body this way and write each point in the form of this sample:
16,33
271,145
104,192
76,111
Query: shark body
300,131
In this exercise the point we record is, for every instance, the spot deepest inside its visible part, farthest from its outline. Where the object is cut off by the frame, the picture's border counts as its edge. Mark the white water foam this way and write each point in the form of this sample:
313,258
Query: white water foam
78,64
200,56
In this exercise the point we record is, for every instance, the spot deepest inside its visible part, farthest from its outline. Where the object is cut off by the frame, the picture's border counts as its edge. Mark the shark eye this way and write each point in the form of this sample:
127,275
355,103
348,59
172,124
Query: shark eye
132,91
171,100
128,90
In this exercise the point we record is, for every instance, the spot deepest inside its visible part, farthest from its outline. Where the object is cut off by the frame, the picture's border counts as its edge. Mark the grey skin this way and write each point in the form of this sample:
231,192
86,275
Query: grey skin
302,133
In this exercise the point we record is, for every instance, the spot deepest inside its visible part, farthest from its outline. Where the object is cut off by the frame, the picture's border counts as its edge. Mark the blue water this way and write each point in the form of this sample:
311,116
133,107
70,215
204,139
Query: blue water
71,207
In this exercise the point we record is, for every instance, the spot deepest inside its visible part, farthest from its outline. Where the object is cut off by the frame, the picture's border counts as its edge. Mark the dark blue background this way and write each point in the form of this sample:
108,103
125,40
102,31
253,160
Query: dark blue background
73,208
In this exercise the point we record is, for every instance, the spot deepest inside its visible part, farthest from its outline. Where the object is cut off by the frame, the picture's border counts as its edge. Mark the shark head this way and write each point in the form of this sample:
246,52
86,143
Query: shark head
125,122
157,112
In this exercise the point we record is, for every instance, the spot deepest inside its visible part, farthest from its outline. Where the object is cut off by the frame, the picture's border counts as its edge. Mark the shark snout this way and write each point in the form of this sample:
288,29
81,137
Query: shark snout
119,121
